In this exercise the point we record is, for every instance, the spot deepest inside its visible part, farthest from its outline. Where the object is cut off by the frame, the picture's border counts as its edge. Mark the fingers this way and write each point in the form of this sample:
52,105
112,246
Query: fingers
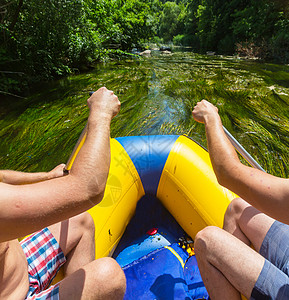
104,89
204,104
104,101
101,91
203,110
58,171
60,166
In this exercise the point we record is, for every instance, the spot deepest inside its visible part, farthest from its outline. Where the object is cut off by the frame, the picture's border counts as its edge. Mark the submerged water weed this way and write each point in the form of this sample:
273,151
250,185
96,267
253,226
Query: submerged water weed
157,95
40,137
257,114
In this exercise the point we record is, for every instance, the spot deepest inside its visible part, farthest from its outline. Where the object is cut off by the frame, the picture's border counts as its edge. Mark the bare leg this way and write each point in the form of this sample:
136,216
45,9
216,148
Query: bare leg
227,265
86,278
100,279
247,223
76,239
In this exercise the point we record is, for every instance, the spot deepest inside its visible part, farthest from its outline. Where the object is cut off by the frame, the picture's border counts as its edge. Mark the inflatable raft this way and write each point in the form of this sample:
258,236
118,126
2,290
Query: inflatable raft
161,190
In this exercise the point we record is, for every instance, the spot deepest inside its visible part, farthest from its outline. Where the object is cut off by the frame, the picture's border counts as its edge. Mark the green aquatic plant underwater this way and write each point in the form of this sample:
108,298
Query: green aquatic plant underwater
158,94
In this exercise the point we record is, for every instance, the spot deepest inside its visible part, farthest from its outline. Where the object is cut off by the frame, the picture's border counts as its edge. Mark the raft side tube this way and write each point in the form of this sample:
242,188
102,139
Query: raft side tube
113,213
188,188
176,169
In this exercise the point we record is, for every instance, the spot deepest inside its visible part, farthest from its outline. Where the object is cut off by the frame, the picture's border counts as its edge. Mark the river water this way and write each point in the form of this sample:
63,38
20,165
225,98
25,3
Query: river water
157,95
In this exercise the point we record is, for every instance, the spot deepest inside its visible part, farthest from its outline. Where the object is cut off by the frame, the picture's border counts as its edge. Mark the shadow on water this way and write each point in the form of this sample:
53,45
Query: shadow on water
157,95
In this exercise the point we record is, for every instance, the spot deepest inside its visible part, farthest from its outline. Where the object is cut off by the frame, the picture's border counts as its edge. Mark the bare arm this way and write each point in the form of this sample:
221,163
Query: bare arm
27,208
267,193
16,178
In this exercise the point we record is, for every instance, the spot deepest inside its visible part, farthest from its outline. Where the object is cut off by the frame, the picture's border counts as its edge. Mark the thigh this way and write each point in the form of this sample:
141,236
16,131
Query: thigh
67,233
100,279
239,263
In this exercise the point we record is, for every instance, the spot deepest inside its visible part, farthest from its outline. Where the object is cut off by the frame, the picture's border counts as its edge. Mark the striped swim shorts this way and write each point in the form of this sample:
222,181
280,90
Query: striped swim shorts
44,258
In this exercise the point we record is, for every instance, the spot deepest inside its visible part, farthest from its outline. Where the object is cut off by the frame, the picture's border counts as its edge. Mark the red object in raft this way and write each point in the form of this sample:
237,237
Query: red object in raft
152,231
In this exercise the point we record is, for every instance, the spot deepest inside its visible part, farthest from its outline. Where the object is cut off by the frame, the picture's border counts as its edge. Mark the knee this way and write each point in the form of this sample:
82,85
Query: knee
204,239
112,277
84,222
235,210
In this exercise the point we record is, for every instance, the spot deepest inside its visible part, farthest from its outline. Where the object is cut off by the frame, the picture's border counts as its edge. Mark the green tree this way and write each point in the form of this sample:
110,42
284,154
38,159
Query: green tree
43,39
169,25
219,25
135,19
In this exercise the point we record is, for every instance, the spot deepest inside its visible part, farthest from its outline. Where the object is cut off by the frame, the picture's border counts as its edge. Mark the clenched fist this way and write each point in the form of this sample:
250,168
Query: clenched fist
105,102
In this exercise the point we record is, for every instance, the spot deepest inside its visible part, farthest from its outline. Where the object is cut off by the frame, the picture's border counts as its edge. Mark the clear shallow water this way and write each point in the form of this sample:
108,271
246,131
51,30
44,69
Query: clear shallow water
157,95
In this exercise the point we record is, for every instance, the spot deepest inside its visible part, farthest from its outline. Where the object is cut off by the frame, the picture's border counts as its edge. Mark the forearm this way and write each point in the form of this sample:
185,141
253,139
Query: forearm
15,177
27,208
267,193
91,165
223,156
230,172
42,204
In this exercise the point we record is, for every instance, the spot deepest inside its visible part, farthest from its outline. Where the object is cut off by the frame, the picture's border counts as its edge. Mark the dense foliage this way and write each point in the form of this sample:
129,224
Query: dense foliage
250,27
43,39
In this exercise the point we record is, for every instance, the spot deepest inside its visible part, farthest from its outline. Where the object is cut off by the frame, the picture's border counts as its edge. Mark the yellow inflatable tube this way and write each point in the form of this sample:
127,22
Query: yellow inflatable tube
176,169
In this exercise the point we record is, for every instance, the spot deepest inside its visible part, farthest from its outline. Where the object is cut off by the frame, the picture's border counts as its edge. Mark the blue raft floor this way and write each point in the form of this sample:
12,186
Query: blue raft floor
135,243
